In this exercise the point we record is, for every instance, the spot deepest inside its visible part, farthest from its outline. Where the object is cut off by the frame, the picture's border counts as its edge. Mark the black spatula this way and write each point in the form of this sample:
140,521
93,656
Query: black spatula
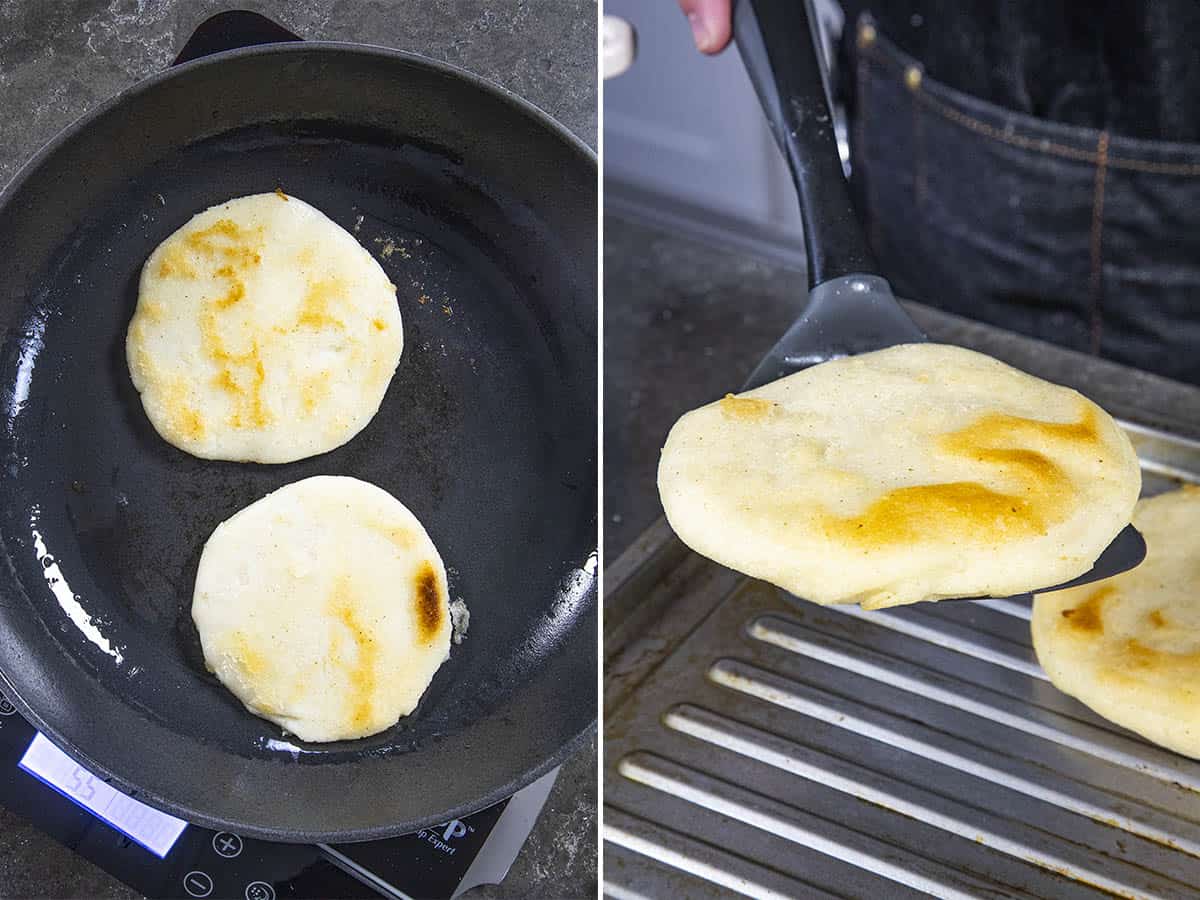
851,308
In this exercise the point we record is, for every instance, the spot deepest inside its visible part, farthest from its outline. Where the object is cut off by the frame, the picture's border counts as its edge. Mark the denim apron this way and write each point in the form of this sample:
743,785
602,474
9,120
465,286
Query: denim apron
1069,234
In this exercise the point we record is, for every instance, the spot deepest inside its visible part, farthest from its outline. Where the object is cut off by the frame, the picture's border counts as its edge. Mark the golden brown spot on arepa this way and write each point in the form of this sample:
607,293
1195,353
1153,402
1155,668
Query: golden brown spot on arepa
240,374
908,514
187,422
1134,654
402,537
258,411
1157,619
183,420
211,341
749,409
1040,494
229,252
226,382
248,658
1088,616
225,240
234,295
141,363
428,602
379,324
1138,655
360,671
175,262
315,308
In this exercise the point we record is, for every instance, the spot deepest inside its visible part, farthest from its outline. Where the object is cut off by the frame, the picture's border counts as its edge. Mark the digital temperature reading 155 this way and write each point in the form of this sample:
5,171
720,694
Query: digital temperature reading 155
154,830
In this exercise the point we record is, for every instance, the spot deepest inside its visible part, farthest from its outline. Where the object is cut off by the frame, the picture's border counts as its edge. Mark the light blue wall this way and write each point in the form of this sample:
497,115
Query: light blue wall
688,127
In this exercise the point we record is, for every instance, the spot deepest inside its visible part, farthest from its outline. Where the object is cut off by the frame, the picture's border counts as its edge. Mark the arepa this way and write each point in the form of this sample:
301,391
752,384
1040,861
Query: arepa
919,472
264,332
323,607
1129,646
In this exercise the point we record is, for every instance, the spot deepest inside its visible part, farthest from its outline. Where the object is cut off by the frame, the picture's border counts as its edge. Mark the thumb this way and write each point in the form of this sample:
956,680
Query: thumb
711,21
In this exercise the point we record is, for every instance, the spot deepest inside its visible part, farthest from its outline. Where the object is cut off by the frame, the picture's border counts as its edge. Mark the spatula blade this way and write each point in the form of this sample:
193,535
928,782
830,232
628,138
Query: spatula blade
844,316
1126,552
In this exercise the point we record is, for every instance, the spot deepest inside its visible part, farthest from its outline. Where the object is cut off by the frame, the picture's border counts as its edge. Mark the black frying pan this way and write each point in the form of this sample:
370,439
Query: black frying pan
487,433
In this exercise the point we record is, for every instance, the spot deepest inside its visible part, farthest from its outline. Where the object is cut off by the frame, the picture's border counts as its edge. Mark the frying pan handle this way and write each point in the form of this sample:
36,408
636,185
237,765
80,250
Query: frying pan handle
780,48
230,30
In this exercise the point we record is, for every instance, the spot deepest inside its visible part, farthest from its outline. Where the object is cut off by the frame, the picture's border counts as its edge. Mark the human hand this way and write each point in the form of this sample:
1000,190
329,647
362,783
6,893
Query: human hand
711,21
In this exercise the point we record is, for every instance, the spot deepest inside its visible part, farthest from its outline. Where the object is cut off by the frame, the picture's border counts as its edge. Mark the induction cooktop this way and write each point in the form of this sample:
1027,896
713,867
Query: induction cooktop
165,857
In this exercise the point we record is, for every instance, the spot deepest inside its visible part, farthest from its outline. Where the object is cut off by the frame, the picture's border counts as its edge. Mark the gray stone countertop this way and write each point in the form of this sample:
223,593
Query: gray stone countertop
58,60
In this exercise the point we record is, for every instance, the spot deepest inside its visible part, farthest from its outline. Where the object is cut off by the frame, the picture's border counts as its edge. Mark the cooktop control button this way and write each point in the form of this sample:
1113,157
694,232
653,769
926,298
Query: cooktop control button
197,884
259,890
6,707
227,845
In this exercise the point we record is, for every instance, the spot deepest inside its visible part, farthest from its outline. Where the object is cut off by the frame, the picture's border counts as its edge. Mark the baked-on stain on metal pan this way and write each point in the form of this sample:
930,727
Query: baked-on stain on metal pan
482,210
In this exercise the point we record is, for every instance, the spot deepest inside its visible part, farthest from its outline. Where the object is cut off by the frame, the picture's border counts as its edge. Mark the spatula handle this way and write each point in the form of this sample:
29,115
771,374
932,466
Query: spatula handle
778,41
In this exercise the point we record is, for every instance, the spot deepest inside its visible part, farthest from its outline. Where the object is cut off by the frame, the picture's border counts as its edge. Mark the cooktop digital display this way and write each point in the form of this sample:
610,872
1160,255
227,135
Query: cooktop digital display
156,831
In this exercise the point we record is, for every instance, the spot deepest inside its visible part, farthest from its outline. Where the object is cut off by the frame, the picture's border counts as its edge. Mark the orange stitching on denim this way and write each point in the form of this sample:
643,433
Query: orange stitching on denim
1096,278
1016,140
1039,145
1155,168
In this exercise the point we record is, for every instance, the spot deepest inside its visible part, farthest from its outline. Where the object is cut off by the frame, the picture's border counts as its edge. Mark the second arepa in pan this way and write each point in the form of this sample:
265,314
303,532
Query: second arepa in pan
323,607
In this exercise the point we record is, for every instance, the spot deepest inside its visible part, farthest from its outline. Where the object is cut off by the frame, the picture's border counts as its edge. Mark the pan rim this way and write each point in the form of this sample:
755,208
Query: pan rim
13,187
532,110
293,836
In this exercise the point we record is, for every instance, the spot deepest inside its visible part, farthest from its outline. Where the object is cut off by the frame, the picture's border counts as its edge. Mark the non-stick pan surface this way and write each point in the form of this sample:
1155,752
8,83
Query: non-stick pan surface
482,211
